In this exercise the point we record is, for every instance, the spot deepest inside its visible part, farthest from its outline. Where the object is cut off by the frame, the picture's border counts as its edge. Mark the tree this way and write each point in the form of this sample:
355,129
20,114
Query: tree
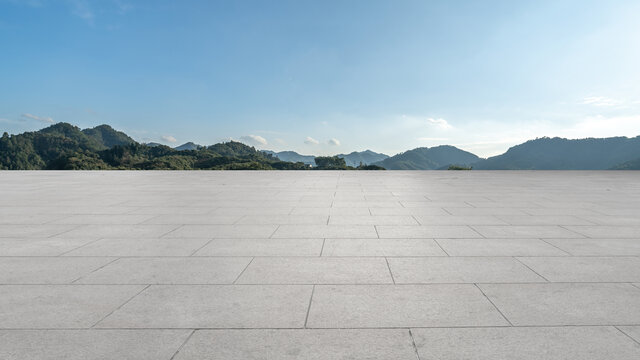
330,163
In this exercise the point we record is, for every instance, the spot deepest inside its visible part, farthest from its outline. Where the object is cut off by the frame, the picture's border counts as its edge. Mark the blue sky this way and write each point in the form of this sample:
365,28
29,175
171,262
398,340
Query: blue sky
324,77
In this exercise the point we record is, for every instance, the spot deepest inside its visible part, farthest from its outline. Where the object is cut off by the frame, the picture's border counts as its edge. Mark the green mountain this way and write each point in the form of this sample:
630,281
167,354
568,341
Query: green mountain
108,136
64,146
38,149
564,154
628,165
292,156
439,157
188,146
362,157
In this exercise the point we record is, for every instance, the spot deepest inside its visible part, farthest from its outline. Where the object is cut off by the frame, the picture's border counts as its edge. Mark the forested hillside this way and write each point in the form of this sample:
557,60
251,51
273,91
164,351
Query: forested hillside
64,146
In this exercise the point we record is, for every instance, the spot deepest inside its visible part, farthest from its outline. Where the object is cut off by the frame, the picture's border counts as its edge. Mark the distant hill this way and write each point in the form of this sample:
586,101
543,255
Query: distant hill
438,157
188,146
63,146
628,165
564,154
108,136
366,157
292,156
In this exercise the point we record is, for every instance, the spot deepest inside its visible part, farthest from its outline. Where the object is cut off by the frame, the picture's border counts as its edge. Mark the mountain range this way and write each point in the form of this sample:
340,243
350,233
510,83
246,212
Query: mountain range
64,146
435,158
353,159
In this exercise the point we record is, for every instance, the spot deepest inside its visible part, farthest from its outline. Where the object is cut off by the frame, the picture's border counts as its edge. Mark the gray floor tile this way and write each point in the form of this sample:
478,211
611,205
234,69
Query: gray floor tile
381,247
325,231
372,306
430,220
316,270
91,344
372,220
421,232
631,331
543,220
194,219
59,306
586,269
408,211
84,219
117,231
223,231
140,247
284,219
598,247
29,219
316,344
612,232
566,304
39,247
525,231
34,231
533,343
262,247
329,211
499,247
214,306
179,270
47,270
431,270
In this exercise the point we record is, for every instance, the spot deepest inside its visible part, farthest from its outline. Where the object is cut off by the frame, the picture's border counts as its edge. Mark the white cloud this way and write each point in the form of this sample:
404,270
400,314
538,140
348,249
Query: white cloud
38,118
168,138
602,126
81,9
311,141
334,142
601,101
440,123
254,140
280,141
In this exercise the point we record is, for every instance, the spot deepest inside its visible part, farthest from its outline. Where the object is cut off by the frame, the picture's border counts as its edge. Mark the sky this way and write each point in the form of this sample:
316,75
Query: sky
324,77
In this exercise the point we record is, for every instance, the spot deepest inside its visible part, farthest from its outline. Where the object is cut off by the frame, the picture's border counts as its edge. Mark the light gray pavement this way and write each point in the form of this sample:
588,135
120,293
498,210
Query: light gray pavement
319,265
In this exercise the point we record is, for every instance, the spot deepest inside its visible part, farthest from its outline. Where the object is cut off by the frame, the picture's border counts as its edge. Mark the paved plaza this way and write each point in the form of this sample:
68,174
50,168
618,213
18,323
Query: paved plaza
319,265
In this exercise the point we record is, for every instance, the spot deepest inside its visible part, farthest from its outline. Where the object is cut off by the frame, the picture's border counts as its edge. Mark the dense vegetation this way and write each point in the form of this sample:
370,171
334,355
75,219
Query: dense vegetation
439,157
366,157
628,165
292,156
564,154
338,163
64,146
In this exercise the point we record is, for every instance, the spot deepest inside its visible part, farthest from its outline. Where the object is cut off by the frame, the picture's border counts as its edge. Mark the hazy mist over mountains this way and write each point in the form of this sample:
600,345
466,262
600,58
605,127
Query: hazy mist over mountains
64,146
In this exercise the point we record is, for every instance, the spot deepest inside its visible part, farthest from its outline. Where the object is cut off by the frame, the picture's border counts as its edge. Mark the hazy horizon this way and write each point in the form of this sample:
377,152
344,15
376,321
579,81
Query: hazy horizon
327,77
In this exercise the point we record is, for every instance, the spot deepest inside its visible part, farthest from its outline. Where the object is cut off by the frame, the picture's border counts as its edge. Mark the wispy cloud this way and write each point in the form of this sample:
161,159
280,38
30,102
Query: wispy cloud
440,123
311,141
254,140
123,6
168,138
43,119
82,9
334,142
602,101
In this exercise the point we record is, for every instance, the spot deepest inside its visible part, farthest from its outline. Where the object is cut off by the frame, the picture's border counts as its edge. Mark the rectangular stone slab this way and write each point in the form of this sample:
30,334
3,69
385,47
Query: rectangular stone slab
371,306
214,306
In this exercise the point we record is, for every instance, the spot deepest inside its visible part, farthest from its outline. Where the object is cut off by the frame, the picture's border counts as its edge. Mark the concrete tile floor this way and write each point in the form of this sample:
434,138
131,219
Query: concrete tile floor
320,265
